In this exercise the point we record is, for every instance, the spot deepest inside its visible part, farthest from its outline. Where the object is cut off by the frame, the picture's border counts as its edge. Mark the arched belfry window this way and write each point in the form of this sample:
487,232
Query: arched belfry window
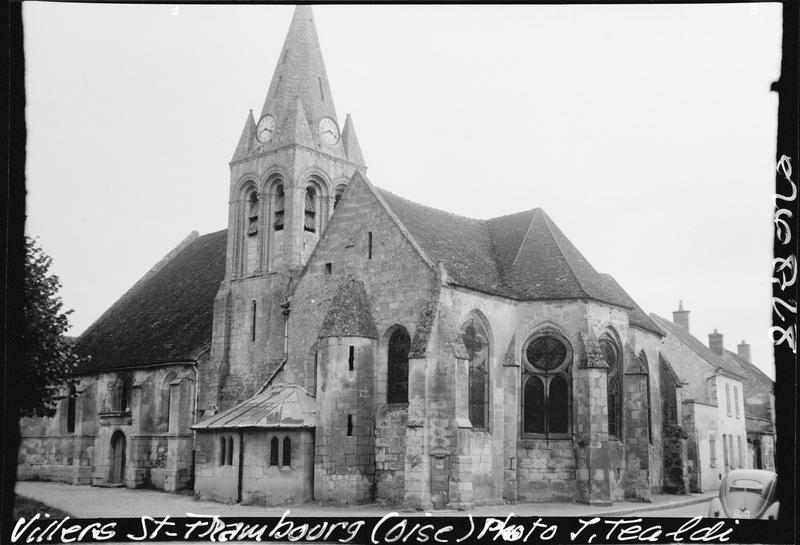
546,386
476,342
614,386
252,213
310,219
277,207
397,366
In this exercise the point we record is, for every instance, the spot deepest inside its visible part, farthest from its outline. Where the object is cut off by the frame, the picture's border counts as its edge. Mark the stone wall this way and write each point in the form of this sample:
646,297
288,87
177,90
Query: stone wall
262,483
546,470
390,452
155,424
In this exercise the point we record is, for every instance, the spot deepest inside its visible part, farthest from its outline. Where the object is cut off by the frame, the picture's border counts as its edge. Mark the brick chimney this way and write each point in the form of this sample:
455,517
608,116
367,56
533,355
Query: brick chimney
744,350
715,342
681,317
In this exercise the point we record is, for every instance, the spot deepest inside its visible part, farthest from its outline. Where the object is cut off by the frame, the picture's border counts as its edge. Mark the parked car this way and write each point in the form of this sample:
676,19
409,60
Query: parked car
746,494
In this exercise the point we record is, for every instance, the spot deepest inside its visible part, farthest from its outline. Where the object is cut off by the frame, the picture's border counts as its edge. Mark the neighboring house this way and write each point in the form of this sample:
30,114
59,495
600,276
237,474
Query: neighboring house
759,408
712,407
385,351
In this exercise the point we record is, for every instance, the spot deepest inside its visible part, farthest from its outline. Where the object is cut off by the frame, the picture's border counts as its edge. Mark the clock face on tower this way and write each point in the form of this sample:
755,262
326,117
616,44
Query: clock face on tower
265,128
328,131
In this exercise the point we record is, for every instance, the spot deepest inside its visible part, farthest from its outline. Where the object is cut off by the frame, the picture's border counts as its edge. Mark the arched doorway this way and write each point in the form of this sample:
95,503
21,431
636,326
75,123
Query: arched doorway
116,472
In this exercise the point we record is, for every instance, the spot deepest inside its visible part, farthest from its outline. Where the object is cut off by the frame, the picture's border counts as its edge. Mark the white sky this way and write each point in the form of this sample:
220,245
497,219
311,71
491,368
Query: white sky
646,132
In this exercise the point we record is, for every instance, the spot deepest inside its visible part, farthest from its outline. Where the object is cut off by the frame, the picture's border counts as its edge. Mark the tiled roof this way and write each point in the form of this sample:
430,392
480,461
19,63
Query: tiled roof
279,406
166,317
637,316
750,368
697,346
349,314
522,256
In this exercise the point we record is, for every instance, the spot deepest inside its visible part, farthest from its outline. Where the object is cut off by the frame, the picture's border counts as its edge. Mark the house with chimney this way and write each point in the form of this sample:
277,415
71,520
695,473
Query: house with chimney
712,406
759,407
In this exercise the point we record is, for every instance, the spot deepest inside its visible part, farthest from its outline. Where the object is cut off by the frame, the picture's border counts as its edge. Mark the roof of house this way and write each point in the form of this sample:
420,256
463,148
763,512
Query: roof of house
748,367
279,406
637,316
697,346
166,316
522,256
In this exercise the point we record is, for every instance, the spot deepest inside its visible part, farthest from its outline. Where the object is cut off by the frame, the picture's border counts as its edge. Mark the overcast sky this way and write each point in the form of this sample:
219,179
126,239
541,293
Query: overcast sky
646,132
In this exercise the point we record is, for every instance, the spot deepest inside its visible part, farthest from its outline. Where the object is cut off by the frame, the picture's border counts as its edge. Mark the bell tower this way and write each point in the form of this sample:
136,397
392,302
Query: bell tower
288,170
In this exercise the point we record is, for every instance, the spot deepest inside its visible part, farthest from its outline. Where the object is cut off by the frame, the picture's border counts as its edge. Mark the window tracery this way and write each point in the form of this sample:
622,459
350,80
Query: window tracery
546,386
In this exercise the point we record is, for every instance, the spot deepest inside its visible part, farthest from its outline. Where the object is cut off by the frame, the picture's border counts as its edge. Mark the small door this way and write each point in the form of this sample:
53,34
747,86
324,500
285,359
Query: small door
117,469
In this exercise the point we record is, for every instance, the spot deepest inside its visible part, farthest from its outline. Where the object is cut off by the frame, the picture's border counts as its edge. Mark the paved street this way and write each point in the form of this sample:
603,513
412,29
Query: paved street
88,502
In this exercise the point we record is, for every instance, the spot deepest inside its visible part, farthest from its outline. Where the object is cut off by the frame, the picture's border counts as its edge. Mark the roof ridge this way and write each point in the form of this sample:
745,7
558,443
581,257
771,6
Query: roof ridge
524,238
160,264
570,266
669,325
431,207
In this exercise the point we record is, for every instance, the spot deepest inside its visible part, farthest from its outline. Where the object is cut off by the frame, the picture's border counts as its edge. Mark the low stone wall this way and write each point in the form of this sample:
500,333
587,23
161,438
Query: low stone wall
546,470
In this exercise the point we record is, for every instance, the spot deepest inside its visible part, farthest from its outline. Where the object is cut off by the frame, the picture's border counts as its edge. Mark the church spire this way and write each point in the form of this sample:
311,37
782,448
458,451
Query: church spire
300,75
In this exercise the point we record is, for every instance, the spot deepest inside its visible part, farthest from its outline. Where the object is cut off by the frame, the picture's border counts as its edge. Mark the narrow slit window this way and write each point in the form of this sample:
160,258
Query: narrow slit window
349,425
287,452
253,324
222,451
328,268
352,357
230,451
369,245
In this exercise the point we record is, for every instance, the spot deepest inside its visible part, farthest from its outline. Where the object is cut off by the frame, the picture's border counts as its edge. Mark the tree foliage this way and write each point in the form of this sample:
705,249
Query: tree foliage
48,357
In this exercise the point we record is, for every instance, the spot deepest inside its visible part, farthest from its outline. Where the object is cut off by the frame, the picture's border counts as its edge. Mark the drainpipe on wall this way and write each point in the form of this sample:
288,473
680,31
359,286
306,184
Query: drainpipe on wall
194,417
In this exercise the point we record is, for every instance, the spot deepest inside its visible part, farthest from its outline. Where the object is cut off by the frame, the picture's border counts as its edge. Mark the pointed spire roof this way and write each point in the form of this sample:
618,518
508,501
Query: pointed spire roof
349,314
350,142
300,75
247,139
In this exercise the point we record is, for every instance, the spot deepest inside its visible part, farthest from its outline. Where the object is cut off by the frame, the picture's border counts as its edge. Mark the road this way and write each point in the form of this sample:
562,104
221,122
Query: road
694,510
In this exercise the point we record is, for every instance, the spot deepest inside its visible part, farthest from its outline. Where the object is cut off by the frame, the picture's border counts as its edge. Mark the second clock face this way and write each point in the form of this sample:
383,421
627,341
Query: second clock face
328,131
265,128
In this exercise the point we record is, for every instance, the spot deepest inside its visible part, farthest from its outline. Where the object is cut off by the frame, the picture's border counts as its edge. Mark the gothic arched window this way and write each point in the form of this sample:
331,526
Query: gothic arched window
277,207
310,221
476,342
397,367
287,452
546,386
166,399
273,451
614,386
229,459
646,367
252,213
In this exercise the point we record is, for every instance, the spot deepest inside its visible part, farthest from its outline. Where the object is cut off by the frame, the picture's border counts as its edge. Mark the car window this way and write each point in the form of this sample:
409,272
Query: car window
748,485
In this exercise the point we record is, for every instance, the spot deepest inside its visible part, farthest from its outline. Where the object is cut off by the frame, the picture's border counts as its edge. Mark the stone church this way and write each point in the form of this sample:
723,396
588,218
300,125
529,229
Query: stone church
341,343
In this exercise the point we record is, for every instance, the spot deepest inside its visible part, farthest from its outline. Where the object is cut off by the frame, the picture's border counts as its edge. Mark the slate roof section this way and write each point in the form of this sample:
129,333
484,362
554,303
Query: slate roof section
637,316
749,367
522,256
349,314
279,406
697,346
166,317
